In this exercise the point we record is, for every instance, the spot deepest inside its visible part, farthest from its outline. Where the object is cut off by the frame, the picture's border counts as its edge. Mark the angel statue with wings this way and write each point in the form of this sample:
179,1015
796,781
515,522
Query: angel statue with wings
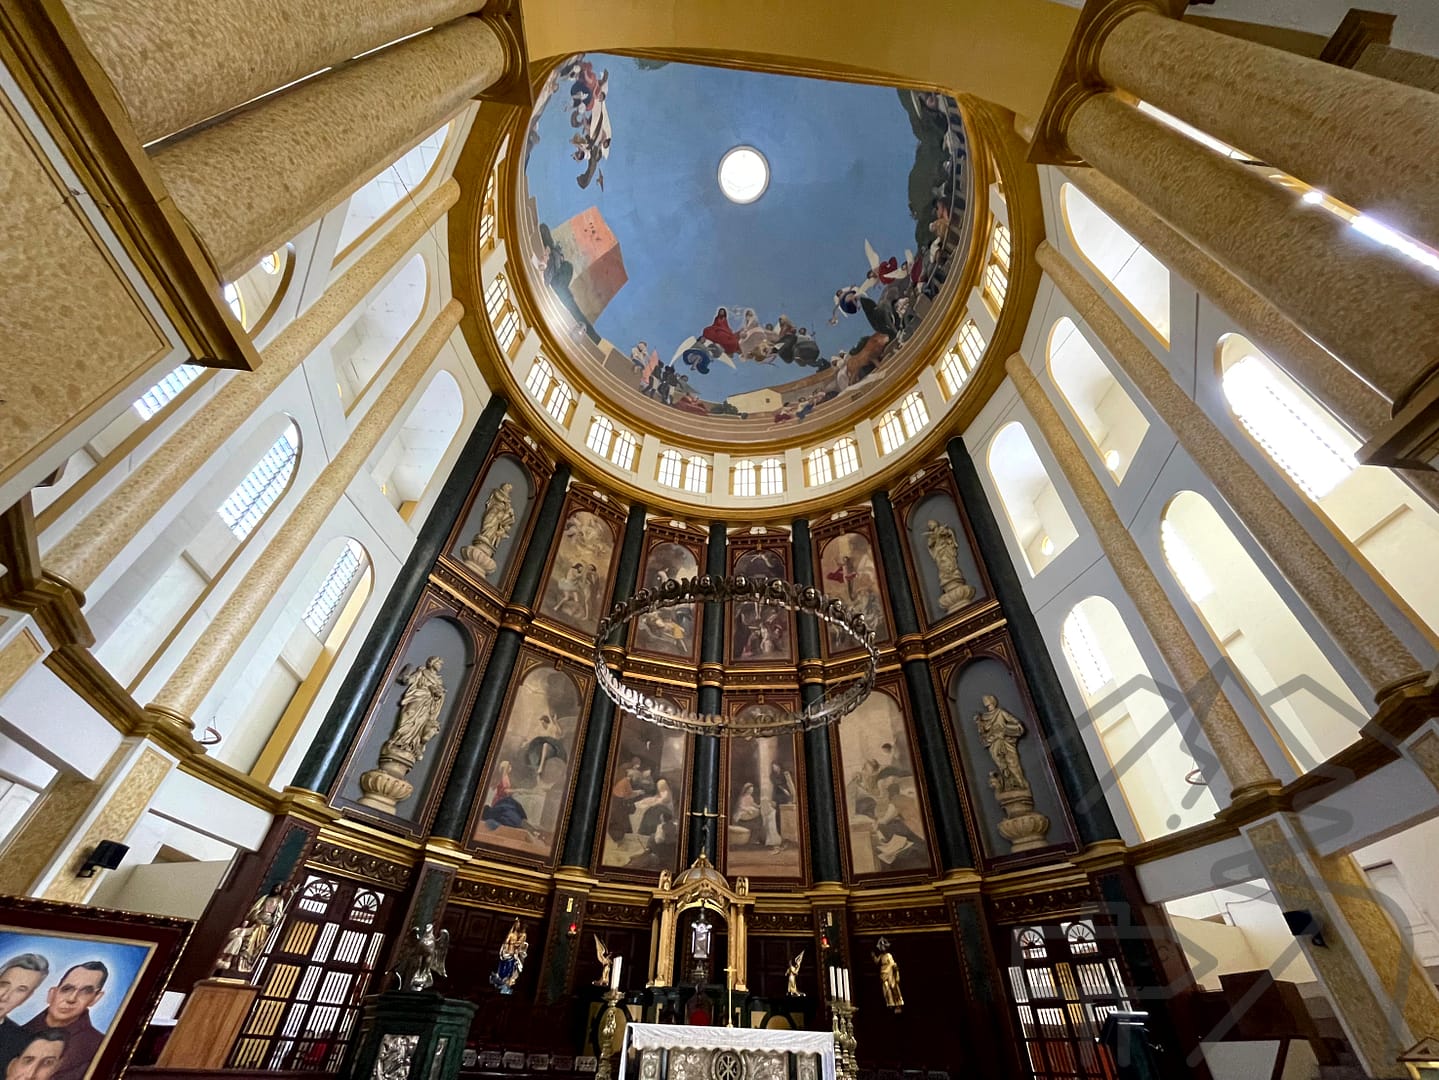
791,975
422,958
607,961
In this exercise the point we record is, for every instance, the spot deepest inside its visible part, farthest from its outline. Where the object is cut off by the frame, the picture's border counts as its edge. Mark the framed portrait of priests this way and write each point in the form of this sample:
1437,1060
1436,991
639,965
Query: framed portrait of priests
79,985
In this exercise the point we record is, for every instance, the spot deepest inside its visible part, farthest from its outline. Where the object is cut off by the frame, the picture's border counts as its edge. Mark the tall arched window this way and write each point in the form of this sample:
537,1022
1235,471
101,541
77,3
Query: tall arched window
671,468
265,483
408,463
846,457
818,468
1140,279
1107,413
264,708
392,189
1308,704
1370,507
1135,723
1036,515
742,478
369,342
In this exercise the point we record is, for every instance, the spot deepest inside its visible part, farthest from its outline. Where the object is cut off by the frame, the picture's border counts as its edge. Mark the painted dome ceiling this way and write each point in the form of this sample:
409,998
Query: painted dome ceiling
762,315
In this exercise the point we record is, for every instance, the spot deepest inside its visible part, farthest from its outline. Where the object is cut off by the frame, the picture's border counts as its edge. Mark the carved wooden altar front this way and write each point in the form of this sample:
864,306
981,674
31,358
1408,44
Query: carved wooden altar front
700,886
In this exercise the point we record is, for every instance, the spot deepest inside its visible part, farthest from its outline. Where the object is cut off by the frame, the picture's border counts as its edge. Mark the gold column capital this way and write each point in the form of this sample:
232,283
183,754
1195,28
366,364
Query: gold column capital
514,86
1078,76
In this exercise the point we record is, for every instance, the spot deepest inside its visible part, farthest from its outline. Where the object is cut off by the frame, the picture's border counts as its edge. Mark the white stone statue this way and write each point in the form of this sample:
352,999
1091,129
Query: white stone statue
1000,731
943,546
419,722
496,523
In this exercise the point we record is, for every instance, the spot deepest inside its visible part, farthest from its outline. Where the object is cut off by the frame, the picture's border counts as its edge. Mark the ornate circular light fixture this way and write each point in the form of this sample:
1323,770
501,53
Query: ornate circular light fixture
757,721
743,174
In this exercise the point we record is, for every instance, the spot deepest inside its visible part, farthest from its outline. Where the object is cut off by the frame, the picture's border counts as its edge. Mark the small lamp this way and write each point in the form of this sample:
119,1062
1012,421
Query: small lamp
106,856
1302,923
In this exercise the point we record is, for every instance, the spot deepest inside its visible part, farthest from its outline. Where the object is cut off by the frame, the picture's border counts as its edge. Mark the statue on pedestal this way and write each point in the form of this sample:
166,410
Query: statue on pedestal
888,974
496,523
244,944
422,958
419,722
513,952
1000,731
943,546
700,934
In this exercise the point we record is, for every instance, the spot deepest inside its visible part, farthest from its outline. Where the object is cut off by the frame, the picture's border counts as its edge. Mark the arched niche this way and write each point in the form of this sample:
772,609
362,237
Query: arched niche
1144,747
1376,513
433,634
495,567
1037,517
1139,279
1114,423
370,341
942,595
1306,701
408,463
532,762
969,685
886,826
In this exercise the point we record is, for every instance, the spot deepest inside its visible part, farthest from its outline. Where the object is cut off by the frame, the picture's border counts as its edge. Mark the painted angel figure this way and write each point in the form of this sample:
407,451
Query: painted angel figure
422,958
607,961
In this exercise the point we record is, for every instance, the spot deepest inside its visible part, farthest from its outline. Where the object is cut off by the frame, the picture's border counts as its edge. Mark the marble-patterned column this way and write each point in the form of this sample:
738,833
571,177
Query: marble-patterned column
1324,276
1368,968
951,834
199,670
322,761
824,826
706,818
1082,789
1367,141
83,554
469,763
255,179
1375,650
599,728
204,59
1243,764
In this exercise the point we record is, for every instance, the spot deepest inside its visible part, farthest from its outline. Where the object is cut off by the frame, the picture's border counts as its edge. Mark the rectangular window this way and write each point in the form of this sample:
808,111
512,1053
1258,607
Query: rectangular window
263,484
771,477
996,282
1000,246
507,331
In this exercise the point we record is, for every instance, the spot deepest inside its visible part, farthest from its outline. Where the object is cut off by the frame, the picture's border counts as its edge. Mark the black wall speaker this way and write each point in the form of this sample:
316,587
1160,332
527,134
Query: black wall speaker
106,856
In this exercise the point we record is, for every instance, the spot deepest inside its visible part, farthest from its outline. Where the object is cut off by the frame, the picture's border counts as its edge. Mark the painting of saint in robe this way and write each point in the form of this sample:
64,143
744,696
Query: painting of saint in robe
762,827
848,571
579,576
647,793
529,776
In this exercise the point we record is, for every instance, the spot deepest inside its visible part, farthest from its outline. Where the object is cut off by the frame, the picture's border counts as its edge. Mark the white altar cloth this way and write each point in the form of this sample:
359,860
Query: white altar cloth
696,1036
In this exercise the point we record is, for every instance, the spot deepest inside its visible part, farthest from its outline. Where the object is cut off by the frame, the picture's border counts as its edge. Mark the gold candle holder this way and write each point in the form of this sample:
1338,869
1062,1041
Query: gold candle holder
610,1019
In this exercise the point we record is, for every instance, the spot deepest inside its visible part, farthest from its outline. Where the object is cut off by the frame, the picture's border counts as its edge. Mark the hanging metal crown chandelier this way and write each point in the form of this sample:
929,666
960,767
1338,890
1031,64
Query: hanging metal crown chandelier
757,721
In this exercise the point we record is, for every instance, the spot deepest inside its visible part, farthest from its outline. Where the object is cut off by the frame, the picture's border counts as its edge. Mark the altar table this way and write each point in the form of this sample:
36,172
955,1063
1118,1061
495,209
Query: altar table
688,1052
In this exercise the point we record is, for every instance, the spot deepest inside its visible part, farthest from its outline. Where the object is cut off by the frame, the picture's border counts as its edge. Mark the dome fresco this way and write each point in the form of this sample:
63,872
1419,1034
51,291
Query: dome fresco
771,310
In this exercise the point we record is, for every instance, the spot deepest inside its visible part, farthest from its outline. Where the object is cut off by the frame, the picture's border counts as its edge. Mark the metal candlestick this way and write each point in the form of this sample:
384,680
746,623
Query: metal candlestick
609,1027
846,1065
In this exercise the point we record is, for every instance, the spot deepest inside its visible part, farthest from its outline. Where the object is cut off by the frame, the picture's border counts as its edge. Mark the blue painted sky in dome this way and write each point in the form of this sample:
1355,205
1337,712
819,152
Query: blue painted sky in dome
840,157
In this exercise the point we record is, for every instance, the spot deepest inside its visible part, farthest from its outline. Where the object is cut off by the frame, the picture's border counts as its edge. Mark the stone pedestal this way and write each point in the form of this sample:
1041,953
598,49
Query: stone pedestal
409,1035
386,787
1022,826
206,1032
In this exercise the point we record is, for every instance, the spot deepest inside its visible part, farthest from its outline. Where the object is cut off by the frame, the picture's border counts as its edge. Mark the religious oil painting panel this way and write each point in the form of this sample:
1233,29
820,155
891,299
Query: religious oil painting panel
760,633
579,571
850,573
763,832
392,769
669,631
949,579
531,767
884,808
648,792
489,540
77,985
1006,770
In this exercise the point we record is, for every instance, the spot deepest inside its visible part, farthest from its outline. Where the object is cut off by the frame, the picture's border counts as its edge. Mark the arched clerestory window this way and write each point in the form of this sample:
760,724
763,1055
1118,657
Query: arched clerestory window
390,191
1037,517
407,465
1139,279
1105,410
369,342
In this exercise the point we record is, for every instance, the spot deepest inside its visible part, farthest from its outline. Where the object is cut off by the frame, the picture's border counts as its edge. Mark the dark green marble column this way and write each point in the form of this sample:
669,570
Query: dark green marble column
469,762
1061,733
818,764
704,786
589,785
951,836
327,751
